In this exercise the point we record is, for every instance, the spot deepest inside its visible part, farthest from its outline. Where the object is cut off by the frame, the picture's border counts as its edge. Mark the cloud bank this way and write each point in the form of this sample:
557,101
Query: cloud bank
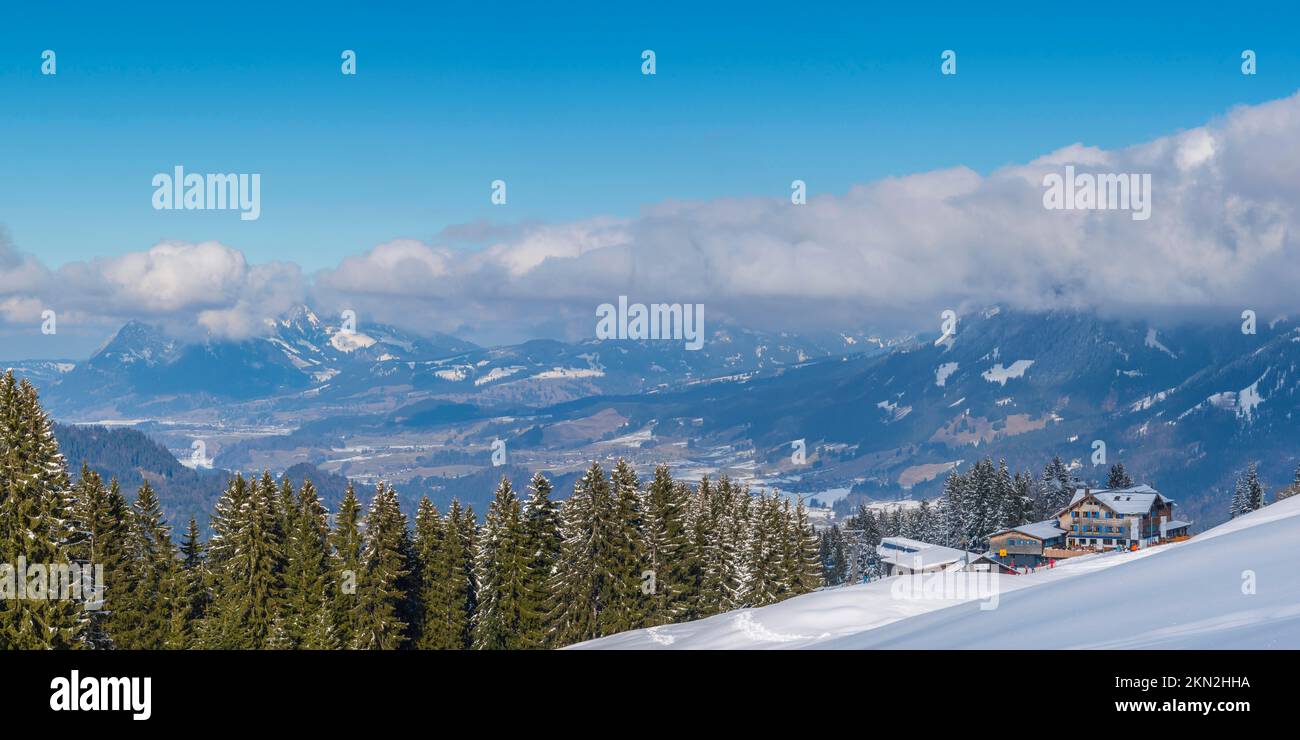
1222,233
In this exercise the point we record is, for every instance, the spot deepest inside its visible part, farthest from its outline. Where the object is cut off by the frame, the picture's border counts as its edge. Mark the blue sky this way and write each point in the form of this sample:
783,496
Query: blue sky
550,98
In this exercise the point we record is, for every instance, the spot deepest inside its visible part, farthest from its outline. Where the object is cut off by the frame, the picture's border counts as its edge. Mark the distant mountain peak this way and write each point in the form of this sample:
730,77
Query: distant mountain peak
137,342
301,313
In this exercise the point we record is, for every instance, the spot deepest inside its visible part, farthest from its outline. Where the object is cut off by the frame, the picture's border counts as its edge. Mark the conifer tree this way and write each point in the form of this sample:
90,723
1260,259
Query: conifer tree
765,553
447,605
984,490
699,530
667,545
192,600
834,556
381,582
191,548
1254,490
503,563
543,541
722,575
428,542
894,522
1248,494
806,575
225,521
345,566
1058,487
287,506
790,556
219,549
629,600
247,606
36,522
103,518
586,574
309,604
469,536
1238,505
862,560
954,513
1118,477
144,617
931,524
1006,509
1018,505
736,531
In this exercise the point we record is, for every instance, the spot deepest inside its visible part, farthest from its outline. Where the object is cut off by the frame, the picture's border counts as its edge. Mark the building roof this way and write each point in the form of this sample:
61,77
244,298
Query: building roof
1131,500
1044,530
904,543
1176,524
929,555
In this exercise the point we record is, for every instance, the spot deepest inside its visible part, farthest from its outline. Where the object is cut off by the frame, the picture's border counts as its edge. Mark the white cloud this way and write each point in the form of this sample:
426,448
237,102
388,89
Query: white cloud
1222,232
192,289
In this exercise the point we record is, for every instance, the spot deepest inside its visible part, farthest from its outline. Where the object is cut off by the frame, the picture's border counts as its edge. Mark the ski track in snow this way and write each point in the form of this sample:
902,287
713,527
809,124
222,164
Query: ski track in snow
757,632
660,637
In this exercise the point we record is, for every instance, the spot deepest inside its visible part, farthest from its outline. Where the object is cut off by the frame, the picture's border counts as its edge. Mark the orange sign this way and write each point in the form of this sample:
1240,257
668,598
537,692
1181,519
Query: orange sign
1002,553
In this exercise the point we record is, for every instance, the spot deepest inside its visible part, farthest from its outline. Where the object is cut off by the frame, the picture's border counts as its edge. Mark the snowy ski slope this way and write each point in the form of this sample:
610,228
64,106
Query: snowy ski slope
1235,586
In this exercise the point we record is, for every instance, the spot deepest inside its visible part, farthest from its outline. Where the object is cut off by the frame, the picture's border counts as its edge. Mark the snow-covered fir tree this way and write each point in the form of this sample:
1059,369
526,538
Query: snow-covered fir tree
1118,477
667,544
104,518
35,520
502,570
382,582
543,542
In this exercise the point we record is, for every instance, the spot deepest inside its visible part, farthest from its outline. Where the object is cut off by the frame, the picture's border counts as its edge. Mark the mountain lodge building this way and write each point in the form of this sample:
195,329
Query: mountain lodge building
1120,518
1111,518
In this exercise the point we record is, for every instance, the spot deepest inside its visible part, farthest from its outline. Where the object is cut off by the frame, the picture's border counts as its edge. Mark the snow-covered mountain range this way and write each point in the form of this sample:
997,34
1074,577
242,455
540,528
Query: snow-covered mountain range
304,361
1185,407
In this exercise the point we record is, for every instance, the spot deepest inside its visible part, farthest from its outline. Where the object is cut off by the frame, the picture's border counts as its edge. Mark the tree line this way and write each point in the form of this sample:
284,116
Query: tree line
279,571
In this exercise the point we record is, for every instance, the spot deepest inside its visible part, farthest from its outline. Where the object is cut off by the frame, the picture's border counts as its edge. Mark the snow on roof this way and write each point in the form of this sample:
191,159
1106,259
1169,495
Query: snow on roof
904,543
928,554
1131,500
1044,530
1177,524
